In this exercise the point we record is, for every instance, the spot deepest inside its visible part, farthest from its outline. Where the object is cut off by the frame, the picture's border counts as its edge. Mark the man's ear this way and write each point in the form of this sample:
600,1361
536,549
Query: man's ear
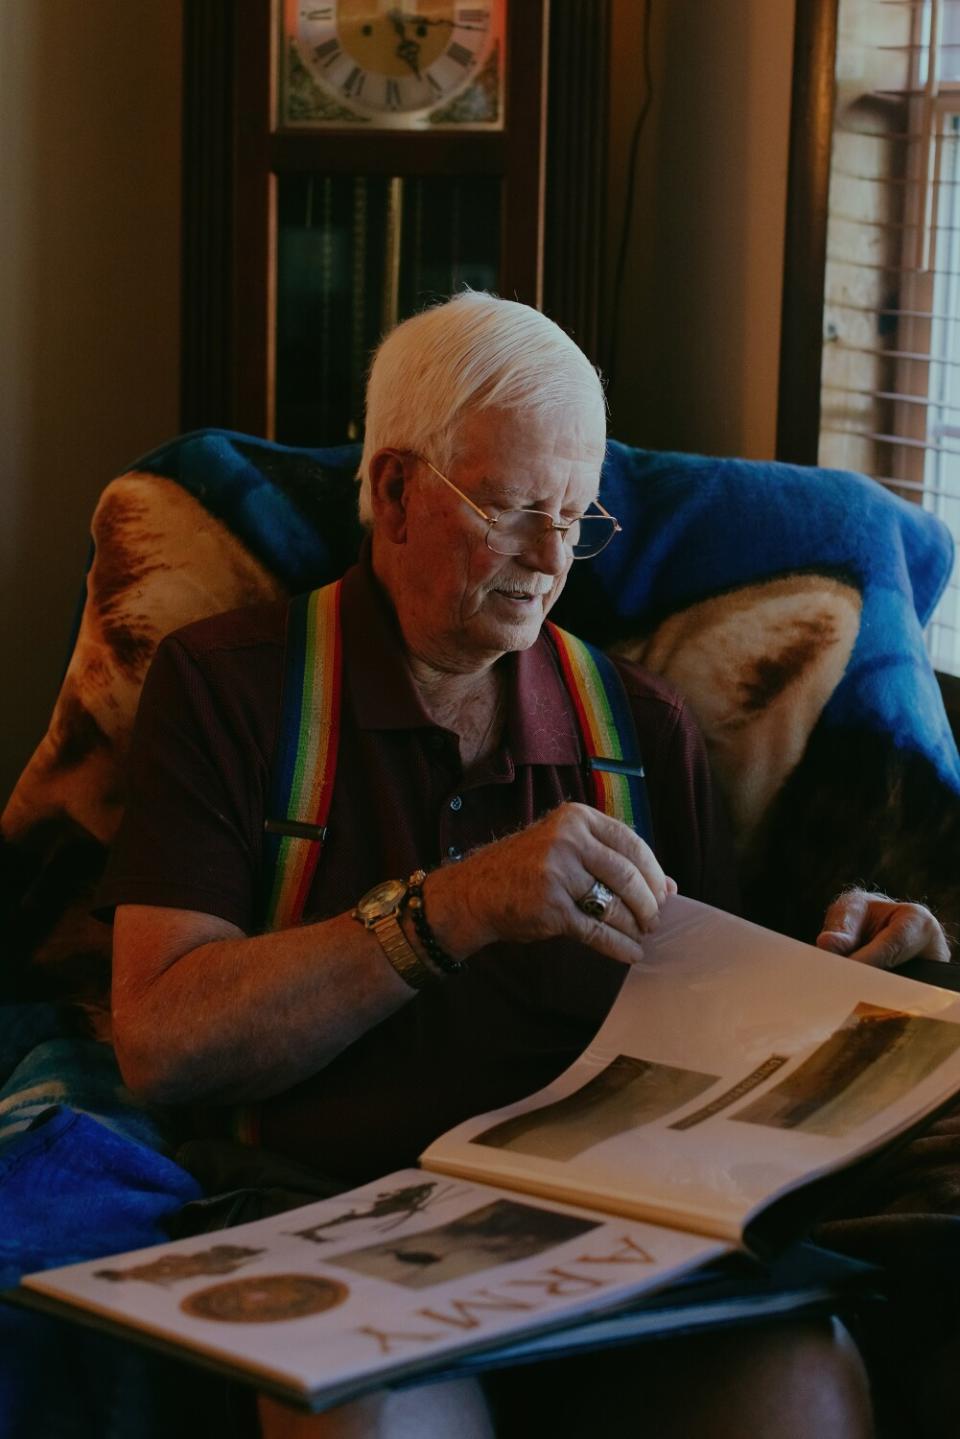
388,494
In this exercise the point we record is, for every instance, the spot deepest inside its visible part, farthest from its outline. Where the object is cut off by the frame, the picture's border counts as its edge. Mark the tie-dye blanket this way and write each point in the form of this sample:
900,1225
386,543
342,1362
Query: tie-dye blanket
786,603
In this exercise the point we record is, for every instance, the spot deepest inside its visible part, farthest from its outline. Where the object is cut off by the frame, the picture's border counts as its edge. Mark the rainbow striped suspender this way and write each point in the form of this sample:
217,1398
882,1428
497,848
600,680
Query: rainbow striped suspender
301,784
305,764
607,730
306,760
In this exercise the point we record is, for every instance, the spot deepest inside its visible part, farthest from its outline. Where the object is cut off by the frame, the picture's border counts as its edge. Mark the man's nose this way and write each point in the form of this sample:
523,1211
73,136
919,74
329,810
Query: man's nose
549,555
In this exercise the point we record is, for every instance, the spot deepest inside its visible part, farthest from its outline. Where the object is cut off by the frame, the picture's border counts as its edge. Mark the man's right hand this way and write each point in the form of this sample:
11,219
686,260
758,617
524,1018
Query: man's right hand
526,887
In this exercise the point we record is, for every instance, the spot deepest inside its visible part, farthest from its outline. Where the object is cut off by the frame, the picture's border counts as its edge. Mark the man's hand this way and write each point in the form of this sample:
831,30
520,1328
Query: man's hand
873,929
525,887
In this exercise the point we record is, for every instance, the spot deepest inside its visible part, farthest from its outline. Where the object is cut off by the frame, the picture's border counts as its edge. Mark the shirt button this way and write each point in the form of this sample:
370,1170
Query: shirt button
454,853
456,802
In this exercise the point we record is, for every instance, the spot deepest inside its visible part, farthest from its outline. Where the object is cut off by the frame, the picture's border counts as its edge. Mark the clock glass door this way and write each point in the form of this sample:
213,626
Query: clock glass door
355,254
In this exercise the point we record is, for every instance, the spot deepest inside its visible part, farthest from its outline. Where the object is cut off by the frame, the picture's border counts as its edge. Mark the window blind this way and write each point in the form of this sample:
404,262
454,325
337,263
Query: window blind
890,388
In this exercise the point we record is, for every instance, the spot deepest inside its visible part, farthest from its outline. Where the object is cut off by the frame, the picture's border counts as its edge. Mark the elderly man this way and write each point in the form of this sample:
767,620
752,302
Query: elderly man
357,1034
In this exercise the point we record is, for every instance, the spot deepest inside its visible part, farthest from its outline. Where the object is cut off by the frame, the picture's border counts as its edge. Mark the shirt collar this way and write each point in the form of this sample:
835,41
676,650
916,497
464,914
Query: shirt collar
541,726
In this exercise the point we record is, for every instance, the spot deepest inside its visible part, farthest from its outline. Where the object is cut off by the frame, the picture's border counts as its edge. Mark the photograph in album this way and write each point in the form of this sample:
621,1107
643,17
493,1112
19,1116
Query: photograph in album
874,1057
629,1092
497,1233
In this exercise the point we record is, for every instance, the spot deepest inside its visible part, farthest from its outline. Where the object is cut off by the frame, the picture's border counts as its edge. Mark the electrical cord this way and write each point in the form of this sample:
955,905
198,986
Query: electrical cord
630,198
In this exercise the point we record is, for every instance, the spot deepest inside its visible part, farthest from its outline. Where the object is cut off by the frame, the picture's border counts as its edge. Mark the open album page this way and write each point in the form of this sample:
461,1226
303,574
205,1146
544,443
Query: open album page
735,1065
326,1301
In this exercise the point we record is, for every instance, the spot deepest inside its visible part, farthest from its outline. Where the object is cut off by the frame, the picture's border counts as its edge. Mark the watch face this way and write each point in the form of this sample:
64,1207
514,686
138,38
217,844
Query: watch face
393,65
383,899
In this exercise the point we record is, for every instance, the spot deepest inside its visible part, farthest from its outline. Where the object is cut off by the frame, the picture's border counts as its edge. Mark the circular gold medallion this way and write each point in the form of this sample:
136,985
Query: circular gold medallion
264,1299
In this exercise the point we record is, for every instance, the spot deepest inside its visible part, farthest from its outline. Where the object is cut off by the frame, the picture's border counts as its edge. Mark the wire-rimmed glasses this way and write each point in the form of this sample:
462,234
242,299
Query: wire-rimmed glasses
511,532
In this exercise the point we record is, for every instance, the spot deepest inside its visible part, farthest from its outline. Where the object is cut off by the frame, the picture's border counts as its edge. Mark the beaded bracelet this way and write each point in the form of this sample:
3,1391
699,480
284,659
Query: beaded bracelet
425,934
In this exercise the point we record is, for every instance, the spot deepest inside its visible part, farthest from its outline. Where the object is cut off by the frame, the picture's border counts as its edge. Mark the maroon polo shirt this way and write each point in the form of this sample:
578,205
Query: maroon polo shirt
191,839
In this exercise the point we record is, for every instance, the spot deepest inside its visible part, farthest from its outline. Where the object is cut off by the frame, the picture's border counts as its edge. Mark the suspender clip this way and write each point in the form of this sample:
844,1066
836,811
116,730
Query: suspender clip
297,829
616,766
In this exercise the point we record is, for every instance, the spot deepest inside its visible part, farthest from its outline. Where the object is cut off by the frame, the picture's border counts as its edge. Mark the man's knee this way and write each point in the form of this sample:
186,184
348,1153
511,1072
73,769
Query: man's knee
434,1411
802,1380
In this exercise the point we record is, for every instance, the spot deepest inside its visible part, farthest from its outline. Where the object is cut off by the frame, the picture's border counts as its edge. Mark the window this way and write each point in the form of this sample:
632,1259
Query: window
890,387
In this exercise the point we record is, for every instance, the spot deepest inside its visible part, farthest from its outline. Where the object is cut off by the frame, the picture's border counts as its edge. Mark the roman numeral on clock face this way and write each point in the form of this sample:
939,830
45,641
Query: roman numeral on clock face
321,12
353,85
460,54
328,51
473,17
392,95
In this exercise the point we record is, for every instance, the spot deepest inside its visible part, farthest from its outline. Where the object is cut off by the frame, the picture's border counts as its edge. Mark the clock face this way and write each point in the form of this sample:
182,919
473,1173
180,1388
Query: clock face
396,62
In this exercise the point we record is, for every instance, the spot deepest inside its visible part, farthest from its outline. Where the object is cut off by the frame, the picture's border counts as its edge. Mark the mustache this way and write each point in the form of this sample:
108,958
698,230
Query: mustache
528,588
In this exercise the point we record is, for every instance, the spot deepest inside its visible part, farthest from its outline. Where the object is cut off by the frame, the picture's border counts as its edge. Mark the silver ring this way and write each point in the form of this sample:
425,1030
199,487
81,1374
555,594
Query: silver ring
596,901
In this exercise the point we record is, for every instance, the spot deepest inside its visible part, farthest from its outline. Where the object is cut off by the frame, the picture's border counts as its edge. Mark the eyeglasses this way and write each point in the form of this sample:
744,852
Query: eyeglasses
514,531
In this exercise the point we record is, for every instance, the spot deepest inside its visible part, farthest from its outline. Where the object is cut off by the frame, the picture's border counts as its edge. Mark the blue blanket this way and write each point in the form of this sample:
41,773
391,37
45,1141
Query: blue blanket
72,1188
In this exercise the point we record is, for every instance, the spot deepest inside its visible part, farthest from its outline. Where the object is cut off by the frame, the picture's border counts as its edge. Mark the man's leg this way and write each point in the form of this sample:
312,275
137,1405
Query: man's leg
435,1411
801,1380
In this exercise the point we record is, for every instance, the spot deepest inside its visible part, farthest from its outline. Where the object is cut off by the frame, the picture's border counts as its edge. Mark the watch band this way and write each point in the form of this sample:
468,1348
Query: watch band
400,952
418,913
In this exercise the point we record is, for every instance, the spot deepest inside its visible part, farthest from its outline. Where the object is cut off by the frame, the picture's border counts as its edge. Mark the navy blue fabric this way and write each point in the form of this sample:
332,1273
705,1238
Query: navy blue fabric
64,1381
64,1069
295,509
22,1027
45,1062
72,1189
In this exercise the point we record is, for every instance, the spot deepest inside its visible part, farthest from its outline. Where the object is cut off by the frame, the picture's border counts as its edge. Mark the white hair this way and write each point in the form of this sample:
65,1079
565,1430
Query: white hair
471,353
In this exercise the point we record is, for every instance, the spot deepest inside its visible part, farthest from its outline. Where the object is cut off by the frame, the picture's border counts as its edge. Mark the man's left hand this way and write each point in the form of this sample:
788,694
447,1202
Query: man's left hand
873,929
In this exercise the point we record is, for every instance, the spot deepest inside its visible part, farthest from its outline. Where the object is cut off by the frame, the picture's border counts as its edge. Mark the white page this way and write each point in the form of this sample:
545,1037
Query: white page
719,1003
397,1275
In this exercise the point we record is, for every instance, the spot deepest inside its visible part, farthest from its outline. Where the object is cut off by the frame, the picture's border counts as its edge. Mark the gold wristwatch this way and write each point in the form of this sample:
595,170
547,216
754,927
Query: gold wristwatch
379,911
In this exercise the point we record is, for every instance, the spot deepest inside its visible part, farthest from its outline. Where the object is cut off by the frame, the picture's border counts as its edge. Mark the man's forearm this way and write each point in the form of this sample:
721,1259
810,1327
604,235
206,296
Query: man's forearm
202,1012
238,1018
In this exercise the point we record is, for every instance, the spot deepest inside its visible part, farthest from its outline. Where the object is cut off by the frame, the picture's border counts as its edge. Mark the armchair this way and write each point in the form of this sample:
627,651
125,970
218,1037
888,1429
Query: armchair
787,604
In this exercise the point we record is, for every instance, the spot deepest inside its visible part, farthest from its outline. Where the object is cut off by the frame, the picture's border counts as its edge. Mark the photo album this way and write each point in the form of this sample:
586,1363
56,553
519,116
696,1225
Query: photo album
648,1190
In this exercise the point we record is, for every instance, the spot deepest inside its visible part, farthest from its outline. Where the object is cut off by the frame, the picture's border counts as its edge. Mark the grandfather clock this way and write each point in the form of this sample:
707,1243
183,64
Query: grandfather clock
346,163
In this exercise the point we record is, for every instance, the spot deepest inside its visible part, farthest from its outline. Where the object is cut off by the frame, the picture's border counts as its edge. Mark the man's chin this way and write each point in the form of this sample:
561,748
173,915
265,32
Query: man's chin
518,635
514,624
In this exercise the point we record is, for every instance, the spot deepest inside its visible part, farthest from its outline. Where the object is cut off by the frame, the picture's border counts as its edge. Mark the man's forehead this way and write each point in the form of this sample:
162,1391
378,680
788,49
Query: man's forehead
520,491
